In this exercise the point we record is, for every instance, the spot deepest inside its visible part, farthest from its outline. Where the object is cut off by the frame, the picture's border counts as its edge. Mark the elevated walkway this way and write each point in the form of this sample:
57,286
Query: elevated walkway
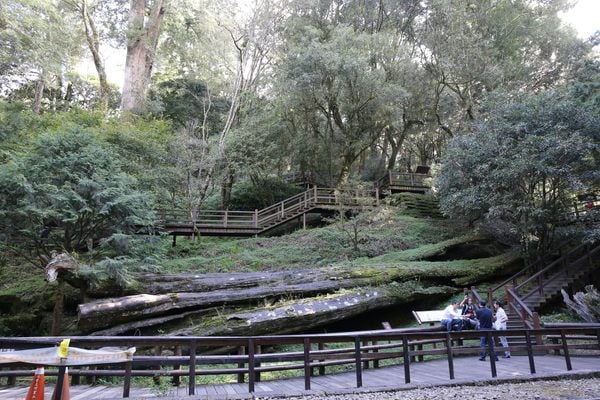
250,223
315,199
424,374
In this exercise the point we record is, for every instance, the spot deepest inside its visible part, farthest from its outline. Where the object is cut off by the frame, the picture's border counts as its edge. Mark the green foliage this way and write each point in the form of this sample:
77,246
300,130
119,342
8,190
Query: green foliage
259,193
185,99
586,83
36,41
461,272
520,167
65,185
388,231
336,89
428,250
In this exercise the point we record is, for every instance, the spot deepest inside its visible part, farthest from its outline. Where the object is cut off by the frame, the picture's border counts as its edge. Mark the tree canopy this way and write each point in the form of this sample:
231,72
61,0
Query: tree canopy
221,95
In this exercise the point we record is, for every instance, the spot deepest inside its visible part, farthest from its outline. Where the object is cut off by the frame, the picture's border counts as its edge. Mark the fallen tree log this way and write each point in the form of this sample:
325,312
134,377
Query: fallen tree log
105,313
167,283
109,312
139,326
307,314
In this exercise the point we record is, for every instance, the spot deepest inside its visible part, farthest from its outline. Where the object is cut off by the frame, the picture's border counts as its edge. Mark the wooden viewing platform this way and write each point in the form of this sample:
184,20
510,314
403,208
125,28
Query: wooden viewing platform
429,373
379,360
250,223
315,199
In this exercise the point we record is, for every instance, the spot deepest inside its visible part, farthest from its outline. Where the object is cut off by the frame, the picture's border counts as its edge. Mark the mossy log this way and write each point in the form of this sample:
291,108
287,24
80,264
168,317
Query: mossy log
168,283
108,312
306,314
145,310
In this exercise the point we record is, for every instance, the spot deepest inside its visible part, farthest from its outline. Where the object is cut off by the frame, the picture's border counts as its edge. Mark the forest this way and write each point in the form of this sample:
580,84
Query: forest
225,105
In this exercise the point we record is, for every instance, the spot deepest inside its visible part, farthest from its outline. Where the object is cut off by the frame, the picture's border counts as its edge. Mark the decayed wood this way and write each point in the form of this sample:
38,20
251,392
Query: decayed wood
108,312
305,314
139,325
584,304
188,292
167,283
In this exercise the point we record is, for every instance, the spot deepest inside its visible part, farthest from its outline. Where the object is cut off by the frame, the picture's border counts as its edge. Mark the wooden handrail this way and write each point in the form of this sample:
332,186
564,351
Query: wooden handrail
258,219
349,348
526,314
529,267
550,266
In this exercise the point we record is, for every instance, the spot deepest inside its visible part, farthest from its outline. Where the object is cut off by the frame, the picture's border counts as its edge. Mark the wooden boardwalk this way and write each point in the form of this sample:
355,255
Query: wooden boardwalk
467,370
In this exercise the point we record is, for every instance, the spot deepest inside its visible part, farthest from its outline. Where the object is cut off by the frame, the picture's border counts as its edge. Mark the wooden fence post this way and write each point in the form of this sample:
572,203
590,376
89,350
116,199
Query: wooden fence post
307,369
449,355
537,324
251,376
192,369
357,359
255,218
127,379
406,359
240,376
322,347
157,352
491,352
565,346
365,343
529,352
176,378
509,298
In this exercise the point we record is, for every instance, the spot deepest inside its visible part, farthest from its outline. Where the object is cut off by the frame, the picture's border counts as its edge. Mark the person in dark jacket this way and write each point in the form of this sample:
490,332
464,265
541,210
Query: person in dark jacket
486,323
468,311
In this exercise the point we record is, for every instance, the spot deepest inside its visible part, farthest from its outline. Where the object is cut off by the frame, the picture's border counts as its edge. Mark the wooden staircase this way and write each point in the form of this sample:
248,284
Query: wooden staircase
546,284
250,223
315,199
524,299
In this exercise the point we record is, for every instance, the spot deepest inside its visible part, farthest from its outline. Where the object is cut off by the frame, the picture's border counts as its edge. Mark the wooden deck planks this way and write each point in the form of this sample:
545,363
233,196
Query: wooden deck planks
467,369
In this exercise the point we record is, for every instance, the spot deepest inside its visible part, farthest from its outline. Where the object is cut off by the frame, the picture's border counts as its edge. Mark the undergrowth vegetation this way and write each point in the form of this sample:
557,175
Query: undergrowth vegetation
389,231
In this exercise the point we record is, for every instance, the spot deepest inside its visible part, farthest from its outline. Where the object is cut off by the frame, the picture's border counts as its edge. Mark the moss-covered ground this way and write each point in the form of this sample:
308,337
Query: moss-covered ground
392,246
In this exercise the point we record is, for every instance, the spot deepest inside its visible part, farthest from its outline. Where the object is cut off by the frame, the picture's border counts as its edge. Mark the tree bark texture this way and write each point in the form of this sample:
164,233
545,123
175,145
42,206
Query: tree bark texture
93,39
143,34
306,314
165,299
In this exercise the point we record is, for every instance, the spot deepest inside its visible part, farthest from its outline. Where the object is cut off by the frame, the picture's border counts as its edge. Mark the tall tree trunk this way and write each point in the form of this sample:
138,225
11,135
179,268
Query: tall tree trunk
39,94
58,308
93,39
141,50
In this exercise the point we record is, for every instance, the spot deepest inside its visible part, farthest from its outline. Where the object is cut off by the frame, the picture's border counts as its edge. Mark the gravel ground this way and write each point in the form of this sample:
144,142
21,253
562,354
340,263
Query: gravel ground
576,389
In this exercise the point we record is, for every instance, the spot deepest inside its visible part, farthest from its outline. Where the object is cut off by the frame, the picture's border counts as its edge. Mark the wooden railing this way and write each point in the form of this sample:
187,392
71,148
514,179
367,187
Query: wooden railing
409,179
581,210
259,220
568,266
565,267
242,356
522,274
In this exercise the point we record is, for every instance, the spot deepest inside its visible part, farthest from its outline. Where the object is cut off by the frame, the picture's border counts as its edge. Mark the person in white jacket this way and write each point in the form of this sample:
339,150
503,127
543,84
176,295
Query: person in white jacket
452,317
500,325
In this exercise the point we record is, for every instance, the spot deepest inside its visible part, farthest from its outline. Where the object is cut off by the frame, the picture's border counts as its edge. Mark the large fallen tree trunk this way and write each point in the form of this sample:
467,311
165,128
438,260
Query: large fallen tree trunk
108,312
290,316
190,282
167,283
307,314
146,310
